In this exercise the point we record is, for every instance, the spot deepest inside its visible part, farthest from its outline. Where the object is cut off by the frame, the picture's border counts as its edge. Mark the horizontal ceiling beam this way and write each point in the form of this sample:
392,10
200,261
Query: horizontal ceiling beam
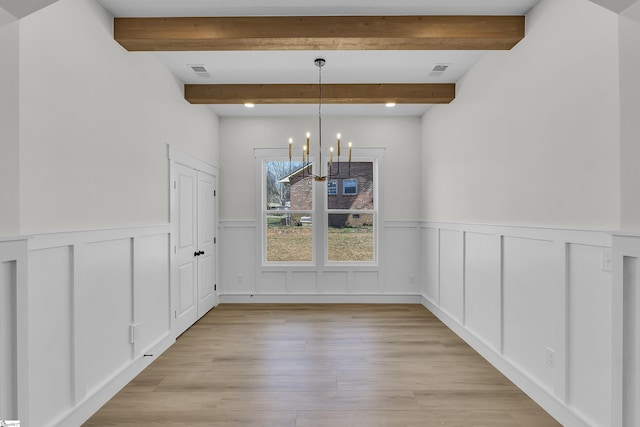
440,93
320,33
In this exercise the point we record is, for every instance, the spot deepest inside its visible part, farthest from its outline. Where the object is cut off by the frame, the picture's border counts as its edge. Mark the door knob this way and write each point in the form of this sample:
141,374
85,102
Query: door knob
196,254
201,253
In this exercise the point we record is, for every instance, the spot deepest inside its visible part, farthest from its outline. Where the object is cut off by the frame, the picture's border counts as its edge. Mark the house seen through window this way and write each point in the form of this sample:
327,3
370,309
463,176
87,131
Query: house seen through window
302,227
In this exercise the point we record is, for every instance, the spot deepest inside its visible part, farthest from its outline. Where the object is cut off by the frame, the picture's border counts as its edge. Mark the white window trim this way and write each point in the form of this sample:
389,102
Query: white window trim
264,155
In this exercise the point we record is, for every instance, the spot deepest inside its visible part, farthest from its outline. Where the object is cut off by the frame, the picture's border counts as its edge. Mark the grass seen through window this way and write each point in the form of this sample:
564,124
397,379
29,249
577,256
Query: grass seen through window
293,242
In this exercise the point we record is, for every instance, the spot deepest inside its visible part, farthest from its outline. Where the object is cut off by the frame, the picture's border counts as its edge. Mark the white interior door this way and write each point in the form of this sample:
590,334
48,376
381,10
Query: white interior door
186,307
206,243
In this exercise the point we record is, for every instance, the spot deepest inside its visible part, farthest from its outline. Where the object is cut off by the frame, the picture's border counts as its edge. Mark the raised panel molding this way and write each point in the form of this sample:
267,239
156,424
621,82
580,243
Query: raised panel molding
483,304
51,333
86,291
8,341
539,305
396,278
14,386
452,273
626,330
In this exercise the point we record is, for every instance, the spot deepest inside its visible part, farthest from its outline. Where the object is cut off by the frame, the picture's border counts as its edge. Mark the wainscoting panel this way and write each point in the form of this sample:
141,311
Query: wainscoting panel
8,339
238,264
272,282
14,386
366,282
335,282
590,322
401,258
482,298
431,264
303,282
51,333
451,274
539,305
626,330
152,291
108,309
396,278
97,302
529,279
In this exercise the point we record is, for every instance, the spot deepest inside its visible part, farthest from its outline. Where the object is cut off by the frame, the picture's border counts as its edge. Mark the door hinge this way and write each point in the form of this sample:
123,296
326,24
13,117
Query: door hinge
215,287
174,185
214,193
215,240
175,314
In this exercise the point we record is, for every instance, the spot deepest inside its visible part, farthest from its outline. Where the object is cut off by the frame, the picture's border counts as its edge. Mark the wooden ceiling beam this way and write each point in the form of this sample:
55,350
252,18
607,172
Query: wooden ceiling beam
441,93
320,33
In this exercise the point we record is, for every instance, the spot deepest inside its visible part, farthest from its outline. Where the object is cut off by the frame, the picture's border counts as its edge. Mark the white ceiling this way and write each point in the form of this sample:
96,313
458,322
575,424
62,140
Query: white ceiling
298,67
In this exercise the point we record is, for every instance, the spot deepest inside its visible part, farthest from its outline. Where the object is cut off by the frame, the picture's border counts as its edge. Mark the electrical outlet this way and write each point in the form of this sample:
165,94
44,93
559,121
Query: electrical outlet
550,357
134,332
607,261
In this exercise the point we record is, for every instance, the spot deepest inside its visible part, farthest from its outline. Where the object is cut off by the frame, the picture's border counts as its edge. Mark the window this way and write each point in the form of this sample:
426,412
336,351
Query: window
318,223
332,187
287,213
351,216
350,187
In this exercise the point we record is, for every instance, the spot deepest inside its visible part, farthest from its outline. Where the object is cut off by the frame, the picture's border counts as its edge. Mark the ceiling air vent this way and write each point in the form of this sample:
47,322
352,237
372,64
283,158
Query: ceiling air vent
200,70
438,70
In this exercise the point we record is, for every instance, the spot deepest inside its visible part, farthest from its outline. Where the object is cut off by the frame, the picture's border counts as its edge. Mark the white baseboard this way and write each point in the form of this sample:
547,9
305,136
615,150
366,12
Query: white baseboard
559,410
85,409
319,299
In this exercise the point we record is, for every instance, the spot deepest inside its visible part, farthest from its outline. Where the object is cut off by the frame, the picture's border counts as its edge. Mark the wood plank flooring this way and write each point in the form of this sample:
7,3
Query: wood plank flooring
320,365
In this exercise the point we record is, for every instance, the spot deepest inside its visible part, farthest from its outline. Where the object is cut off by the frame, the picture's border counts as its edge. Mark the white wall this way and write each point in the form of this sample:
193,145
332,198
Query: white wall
95,121
397,273
21,8
9,129
532,136
630,110
399,135
614,5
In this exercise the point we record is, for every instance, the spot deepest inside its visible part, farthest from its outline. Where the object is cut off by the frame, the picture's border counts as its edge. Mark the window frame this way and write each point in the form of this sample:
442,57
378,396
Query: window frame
320,212
374,212
263,210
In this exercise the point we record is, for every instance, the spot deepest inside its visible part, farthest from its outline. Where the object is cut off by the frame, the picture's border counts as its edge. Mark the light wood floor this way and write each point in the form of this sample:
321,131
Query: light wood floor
320,365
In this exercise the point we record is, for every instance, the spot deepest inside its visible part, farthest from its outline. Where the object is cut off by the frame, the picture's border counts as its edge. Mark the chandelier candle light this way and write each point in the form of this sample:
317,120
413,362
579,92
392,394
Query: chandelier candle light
306,149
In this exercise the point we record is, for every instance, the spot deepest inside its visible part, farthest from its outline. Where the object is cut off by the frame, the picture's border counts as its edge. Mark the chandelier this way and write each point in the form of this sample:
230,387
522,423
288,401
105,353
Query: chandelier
306,149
